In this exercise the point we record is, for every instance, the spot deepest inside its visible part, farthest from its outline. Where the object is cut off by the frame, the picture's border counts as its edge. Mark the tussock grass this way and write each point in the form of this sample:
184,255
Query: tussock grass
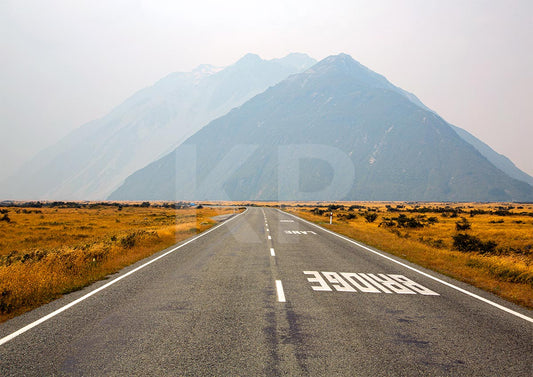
506,270
52,251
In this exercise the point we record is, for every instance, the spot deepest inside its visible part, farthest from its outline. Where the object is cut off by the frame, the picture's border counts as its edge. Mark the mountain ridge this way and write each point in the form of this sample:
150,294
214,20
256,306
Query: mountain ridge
399,150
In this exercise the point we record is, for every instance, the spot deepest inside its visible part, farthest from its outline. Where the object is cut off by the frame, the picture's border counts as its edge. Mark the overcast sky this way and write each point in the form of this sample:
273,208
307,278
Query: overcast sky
64,63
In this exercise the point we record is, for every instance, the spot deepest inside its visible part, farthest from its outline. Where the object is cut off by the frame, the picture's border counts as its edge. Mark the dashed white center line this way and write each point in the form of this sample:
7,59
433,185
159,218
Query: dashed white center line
269,237
279,289
272,252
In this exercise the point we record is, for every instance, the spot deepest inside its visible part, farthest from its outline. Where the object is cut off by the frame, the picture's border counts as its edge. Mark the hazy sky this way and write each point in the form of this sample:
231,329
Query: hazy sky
64,63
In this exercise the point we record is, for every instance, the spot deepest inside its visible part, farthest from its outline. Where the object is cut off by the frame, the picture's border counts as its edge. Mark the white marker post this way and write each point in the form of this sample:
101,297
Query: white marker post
330,217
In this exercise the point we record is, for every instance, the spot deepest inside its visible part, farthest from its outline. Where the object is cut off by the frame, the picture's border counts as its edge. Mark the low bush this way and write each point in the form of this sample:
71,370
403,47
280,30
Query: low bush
465,243
409,222
463,224
370,216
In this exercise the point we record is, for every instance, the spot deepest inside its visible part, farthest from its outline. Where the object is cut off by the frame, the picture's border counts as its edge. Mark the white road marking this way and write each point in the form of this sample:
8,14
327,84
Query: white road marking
299,232
340,284
496,305
323,286
286,221
83,298
269,237
279,289
390,283
361,284
272,252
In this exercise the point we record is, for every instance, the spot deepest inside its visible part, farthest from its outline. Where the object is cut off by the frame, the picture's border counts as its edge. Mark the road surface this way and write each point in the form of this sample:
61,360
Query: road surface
266,293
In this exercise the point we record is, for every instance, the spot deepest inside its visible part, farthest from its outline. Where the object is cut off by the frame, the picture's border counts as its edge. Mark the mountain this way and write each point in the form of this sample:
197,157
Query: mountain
497,159
94,159
337,131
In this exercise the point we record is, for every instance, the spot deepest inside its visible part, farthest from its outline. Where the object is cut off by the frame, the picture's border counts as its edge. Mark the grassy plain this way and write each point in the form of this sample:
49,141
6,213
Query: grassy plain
497,255
49,251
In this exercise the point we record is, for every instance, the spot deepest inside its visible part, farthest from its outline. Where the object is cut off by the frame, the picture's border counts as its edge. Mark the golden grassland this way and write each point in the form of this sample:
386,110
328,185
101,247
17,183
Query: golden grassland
46,252
501,262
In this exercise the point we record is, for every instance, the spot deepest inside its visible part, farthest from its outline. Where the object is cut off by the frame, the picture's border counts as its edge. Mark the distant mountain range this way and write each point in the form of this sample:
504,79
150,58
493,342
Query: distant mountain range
337,131
369,130
95,159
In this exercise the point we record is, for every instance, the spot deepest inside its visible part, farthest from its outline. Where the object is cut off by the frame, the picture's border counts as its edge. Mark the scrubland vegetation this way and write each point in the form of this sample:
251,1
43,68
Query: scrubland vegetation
50,249
487,245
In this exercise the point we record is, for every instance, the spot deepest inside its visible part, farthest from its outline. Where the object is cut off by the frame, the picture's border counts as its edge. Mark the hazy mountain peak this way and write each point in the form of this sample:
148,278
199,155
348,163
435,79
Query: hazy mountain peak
297,60
249,59
339,60
345,64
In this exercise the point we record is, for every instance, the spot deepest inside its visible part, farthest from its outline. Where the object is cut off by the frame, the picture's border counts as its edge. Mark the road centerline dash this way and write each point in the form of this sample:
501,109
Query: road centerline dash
279,289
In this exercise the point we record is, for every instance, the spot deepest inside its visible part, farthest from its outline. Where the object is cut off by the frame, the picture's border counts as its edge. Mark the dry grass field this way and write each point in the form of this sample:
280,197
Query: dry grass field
486,245
52,250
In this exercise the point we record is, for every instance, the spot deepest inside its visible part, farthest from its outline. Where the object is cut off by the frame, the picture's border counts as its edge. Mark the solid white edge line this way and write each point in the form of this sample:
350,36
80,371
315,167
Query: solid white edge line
501,307
272,252
279,289
77,301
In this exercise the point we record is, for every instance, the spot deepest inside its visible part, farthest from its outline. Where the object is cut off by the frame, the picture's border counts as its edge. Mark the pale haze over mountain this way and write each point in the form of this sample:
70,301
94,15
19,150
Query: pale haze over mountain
94,160
337,131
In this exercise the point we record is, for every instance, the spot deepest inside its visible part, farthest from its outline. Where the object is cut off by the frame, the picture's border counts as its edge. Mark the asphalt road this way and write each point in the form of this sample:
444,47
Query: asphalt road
268,294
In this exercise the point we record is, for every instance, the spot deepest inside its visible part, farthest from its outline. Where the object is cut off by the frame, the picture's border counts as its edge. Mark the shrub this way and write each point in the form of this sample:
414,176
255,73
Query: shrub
465,242
129,241
388,222
346,216
370,216
408,222
463,224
